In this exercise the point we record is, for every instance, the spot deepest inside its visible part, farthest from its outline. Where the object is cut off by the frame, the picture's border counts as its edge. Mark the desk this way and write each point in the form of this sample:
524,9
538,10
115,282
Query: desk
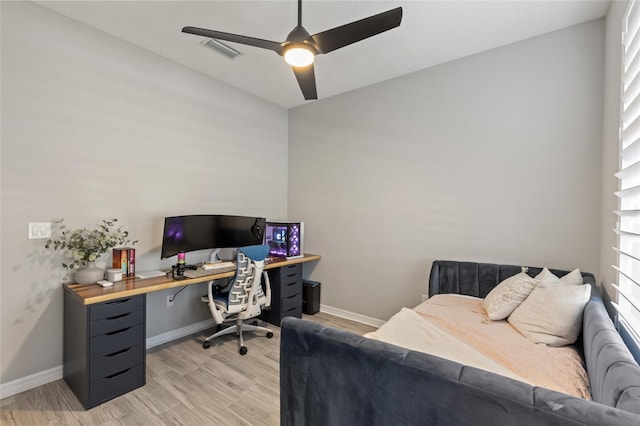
105,332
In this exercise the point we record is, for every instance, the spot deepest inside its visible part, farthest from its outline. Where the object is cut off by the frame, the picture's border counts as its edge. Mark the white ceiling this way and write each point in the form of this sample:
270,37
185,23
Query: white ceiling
431,33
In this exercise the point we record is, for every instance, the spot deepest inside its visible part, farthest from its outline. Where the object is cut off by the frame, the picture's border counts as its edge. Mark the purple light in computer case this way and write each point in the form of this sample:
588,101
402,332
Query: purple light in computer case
294,240
284,239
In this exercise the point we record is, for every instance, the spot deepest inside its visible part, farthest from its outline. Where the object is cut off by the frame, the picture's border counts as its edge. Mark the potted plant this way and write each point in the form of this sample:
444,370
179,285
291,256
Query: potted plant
84,246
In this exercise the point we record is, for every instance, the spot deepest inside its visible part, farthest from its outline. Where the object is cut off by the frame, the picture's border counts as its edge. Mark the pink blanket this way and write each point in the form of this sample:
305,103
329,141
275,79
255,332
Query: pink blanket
465,321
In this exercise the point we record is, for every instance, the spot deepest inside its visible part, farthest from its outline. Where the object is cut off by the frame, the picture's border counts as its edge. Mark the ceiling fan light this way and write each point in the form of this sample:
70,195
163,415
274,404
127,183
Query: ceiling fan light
299,56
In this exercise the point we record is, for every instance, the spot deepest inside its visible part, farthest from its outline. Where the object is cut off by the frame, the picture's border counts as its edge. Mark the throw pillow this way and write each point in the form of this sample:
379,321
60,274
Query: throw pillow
552,315
549,279
573,278
508,295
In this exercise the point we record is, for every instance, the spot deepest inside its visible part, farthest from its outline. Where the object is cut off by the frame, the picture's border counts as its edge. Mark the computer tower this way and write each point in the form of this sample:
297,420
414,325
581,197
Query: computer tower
285,239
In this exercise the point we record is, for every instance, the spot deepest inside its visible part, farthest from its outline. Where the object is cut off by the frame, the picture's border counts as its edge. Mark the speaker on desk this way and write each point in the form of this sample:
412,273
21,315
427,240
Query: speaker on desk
310,297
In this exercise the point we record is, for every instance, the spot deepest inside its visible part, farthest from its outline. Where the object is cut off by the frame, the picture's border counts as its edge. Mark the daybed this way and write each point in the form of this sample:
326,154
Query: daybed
332,377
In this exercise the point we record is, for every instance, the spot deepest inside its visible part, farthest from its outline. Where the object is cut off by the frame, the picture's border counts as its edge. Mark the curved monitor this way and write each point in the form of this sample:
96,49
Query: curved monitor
200,232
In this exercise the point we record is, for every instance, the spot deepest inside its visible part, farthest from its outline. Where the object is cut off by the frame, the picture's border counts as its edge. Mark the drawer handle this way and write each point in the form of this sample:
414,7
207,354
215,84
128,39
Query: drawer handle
292,275
116,302
122,330
119,352
291,297
119,316
117,374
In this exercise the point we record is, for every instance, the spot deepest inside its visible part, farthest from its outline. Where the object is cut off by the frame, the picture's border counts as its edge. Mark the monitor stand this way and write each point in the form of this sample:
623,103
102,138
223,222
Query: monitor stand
213,256
223,255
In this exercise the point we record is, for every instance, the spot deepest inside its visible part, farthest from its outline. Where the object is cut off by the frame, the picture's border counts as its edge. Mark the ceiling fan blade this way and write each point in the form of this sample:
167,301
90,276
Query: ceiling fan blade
307,81
236,38
335,38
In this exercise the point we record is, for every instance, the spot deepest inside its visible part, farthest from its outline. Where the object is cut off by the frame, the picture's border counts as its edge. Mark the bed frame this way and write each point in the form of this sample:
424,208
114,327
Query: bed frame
332,377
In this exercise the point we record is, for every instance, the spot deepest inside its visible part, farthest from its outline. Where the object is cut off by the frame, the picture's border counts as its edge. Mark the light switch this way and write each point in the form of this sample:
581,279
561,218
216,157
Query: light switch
39,230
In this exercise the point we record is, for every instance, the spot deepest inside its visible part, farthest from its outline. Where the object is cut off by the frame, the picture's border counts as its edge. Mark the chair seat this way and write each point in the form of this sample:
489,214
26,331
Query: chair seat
219,299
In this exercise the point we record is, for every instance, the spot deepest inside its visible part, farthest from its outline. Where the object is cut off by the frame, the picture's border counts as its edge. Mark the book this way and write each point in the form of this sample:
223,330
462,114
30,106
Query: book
124,258
120,260
132,262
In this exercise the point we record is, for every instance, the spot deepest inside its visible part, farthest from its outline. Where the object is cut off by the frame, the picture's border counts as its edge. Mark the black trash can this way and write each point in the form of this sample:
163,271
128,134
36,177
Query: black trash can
310,297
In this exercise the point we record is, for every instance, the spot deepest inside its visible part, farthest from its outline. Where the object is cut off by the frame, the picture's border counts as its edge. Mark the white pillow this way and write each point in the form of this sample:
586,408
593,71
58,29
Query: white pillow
508,295
552,315
573,278
549,279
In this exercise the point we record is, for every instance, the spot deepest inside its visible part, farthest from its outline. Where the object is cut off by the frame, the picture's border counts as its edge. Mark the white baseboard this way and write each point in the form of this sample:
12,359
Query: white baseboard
29,382
178,333
374,322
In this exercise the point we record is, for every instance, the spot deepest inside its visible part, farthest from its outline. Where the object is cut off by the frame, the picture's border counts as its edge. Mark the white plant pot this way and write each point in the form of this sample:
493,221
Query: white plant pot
90,274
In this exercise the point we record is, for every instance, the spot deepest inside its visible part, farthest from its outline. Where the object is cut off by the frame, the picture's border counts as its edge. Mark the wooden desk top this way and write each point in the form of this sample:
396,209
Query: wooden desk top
89,294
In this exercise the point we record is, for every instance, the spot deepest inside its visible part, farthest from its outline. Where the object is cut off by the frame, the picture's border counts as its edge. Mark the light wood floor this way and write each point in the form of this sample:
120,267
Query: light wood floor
186,385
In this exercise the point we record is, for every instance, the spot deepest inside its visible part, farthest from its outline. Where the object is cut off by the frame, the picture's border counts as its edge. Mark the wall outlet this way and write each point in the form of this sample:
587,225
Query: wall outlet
169,300
424,297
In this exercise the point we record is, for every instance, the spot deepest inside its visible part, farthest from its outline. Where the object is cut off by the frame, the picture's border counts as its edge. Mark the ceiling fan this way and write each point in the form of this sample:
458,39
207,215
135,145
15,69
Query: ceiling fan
300,48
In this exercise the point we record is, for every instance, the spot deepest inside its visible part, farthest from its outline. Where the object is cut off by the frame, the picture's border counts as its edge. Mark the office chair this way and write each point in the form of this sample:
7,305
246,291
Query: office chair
243,298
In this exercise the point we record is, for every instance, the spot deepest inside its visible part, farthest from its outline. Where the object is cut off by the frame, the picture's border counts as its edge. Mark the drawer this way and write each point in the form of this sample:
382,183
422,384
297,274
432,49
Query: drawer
290,279
116,307
292,302
116,384
118,361
290,270
290,288
116,322
116,341
293,312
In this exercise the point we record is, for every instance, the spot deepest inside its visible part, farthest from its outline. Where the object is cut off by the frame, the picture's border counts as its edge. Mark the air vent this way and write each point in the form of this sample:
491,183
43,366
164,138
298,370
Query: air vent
222,48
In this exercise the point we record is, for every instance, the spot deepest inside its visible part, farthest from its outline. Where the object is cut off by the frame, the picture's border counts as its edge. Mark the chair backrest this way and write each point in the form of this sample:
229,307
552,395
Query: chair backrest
246,294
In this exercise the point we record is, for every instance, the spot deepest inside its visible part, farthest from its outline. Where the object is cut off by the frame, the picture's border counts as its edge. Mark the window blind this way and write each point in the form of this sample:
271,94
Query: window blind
628,222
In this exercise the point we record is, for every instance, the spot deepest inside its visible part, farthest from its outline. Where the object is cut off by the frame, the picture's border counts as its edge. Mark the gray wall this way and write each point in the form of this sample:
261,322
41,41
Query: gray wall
494,157
93,128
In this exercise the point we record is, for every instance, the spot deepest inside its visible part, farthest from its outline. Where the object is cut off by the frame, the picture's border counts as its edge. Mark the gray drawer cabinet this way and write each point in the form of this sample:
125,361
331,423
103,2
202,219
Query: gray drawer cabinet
104,347
286,293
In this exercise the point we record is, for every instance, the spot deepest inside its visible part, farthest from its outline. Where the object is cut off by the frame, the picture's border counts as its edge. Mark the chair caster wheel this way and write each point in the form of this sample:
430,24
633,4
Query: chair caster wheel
242,350
206,344
269,335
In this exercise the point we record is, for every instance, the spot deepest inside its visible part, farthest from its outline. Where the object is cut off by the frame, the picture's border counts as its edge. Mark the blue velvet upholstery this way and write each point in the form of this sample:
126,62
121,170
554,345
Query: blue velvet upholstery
614,374
478,279
332,377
